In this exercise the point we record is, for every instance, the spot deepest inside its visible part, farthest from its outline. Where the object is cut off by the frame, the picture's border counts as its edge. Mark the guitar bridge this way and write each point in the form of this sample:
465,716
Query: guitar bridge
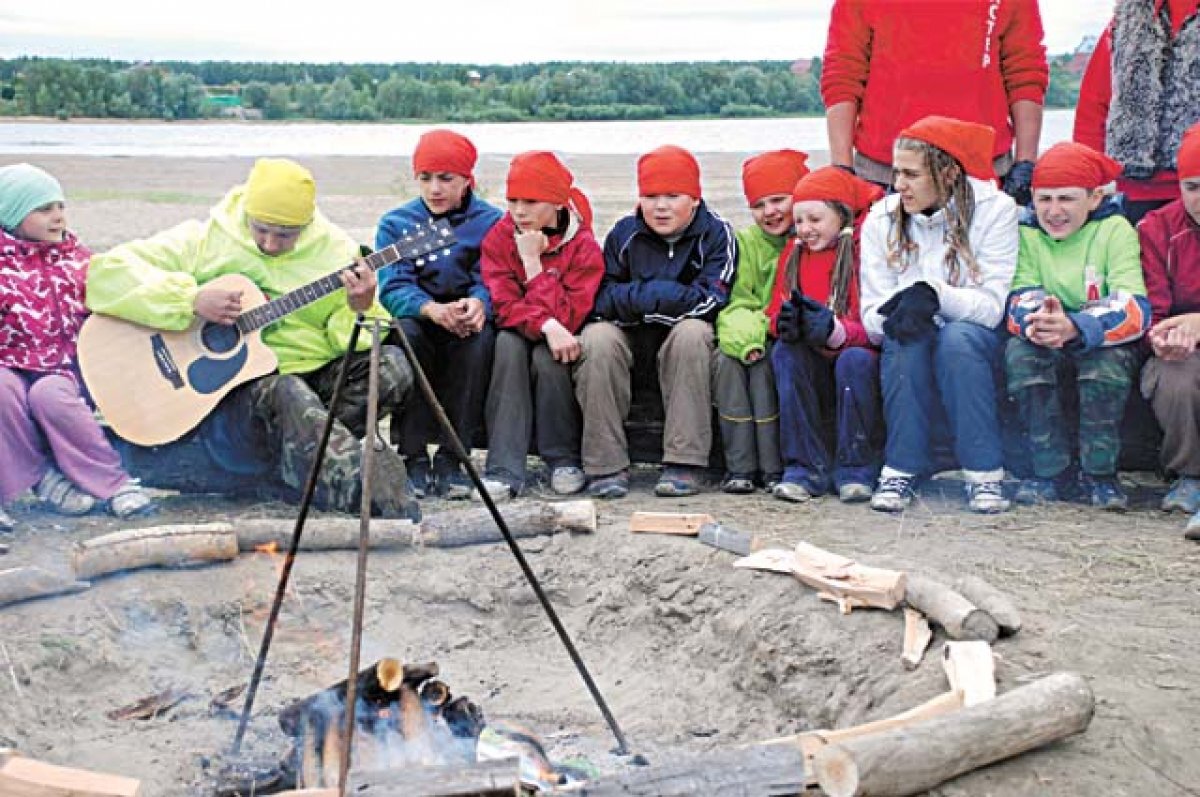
165,362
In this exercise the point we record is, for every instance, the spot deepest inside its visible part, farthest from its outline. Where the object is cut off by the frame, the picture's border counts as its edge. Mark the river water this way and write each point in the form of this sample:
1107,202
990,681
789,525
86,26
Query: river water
215,139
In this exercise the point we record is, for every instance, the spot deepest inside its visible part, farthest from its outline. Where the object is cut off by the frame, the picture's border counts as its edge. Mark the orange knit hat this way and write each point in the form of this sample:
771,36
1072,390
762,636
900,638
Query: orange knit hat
972,145
831,184
668,170
1071,165
774,172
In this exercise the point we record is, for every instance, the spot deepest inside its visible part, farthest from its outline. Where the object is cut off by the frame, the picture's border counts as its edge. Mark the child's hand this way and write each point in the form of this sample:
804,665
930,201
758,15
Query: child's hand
448,316
1176,338
1050,326
472,315
564,347
530,246
218,306
359,281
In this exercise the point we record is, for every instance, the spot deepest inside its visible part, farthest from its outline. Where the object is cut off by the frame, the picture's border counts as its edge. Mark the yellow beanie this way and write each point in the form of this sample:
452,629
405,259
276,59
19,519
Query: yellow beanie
282,192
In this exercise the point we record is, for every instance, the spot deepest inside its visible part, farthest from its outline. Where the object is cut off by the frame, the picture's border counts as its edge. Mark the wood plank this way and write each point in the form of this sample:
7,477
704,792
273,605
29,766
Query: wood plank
25,777
846,582
497,778
971,669
680,523
917,636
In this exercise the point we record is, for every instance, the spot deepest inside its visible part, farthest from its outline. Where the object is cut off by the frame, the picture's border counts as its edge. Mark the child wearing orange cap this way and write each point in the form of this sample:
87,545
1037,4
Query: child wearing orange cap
443,307
667,269
1077,305
542,266
743,381
826,369
1170,239
938,258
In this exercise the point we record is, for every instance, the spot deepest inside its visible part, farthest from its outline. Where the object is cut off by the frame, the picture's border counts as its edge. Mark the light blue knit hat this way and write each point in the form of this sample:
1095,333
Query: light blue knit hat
24,188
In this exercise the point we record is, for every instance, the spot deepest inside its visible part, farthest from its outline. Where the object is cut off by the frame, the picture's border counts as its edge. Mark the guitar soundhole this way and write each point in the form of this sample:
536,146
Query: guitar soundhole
220,338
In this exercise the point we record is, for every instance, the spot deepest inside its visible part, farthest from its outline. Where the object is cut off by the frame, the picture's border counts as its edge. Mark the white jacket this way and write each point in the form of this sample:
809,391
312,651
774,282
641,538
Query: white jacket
994,240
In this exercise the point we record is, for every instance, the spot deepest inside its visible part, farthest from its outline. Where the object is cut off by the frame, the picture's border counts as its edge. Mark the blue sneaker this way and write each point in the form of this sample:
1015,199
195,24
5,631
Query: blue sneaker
1184,496
1104,493
1036,491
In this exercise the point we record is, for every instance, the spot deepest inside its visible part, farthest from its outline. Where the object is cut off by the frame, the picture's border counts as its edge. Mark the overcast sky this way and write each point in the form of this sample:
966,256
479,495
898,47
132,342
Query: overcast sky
452,31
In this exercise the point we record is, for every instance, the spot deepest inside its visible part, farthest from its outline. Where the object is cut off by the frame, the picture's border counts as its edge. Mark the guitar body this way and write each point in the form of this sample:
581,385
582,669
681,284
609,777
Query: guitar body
153,386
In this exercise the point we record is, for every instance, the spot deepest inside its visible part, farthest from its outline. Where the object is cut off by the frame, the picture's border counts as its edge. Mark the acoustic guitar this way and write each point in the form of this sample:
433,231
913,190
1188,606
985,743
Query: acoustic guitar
152,386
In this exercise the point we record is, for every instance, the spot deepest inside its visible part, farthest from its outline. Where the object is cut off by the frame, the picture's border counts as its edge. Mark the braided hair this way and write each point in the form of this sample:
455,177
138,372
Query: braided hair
843,264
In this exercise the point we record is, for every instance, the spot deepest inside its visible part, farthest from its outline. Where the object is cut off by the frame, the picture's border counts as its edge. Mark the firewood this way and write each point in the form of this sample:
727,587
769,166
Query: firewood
323,533
24,777
378,683
971,670
836,578
154,546
331,756
918,758
679,523
500,778
309,769
958,616
25,583
756,771
917,636
435,694
524,519
991,600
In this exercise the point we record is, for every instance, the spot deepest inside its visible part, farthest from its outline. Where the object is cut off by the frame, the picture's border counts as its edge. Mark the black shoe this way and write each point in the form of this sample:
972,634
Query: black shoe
420,476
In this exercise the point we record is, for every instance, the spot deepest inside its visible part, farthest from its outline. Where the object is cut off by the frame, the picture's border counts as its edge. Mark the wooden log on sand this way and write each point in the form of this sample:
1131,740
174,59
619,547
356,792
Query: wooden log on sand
154,546
917,636
991,600
922,756
379,682
499,778
758,771
524,519
961,618
26,583
323,533
24,777
836,578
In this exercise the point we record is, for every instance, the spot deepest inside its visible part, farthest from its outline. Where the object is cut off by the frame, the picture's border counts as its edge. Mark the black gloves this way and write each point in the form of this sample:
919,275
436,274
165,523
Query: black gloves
1018,181
789,324
910,313
818,322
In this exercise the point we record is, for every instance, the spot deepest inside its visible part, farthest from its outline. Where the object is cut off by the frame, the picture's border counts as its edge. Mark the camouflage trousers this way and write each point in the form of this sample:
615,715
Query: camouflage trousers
1053,386
293,409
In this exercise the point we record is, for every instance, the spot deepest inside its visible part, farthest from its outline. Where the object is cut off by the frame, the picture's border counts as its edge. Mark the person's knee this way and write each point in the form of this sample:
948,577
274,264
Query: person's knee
603,342
52,394
854,364
543,363
691,337
962,340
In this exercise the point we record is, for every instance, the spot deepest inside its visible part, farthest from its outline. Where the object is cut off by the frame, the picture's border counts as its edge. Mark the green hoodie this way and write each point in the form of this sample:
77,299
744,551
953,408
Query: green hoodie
742,326
154,281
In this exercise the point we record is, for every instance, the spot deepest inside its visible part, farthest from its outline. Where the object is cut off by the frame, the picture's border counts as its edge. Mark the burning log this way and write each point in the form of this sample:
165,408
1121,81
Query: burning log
920,757
961,618
463,717
992,601
751,771
324,533
26,583
379,683
476,779
24,776
154,546
435,694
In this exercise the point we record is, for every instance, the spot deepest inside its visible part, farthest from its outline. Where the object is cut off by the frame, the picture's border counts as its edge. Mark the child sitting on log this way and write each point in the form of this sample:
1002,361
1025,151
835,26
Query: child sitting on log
1078,303
49,437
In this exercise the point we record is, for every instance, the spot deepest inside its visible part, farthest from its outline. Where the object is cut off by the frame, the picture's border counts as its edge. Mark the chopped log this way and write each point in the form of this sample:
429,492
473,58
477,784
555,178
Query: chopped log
917,636
961,618
720,536
836,578
971,670
679,523
524,519
378,683
991,600
26,583
154,546
435,694
323,533
756,771
24,777
918,758
500,778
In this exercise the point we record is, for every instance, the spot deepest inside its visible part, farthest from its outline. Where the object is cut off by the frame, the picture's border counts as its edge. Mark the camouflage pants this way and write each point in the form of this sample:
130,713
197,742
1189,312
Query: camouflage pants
1046,383
293,408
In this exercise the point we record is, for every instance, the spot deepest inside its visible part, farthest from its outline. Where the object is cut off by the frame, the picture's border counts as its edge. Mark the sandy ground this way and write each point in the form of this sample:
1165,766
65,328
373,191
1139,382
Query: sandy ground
691,654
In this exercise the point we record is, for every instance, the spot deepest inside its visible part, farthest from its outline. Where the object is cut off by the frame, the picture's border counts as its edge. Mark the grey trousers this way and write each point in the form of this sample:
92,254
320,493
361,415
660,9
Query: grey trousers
1173,390
683,360
530,393
748,409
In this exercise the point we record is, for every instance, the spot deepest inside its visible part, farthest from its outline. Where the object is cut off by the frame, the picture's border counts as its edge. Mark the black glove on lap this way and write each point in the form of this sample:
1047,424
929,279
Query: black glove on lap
818,322
910,313
789,324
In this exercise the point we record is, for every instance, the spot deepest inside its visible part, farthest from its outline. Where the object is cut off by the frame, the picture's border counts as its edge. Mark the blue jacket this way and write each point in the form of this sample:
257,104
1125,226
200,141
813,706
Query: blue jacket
405,287
650,280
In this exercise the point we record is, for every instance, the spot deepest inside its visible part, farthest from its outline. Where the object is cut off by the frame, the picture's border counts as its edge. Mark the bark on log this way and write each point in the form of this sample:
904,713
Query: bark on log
154,546
918,758
324,533
500,778
991,600
24,777
524,519
771,771
25,583
958,616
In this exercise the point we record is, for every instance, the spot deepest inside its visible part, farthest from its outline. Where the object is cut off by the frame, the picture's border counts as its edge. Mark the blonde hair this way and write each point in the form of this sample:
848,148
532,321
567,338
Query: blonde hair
843,264
956,197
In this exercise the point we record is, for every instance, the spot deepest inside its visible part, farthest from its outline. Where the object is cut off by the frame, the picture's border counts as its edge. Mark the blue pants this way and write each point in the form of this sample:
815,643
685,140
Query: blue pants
943,385
824,401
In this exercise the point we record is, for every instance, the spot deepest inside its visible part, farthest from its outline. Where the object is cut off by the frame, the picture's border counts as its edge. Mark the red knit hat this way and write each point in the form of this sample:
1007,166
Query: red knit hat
541,176
831,184
771,173
972,145
668,170
1071,165
444,151
1188,159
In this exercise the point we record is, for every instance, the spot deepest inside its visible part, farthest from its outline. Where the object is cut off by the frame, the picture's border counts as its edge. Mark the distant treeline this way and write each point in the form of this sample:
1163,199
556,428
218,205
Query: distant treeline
426,92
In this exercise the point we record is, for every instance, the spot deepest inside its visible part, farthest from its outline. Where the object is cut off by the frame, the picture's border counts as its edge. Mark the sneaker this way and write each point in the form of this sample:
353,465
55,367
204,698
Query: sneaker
793,492
612,485
567,480
499,490
678,481
1036,491
6,521
986,498
1184,496
454,485
1104,493
769,480
735,484
58,492
131,500
419,475
854,493
1192,530
893,494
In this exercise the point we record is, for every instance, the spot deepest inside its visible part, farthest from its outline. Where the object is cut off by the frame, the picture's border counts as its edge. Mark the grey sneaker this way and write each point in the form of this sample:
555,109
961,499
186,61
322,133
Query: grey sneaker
854,493
1192,531
791,491
567,480
499,490
131,500
57,491
1184,496
893,494
986,498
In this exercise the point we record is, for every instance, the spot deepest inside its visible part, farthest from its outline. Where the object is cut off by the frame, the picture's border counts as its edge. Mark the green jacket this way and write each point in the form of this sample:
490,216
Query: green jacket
742,326
1109,247
154,281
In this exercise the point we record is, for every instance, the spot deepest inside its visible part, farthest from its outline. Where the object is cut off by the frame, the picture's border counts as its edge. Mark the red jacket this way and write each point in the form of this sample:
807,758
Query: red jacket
572,268
1171,261
902,60
41,303
814,276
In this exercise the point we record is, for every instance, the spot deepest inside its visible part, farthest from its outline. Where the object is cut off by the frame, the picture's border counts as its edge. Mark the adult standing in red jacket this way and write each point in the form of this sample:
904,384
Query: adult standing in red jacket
1140,92
889,63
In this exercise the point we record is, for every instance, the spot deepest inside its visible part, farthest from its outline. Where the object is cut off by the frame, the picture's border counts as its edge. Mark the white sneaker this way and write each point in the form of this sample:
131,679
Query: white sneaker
497,489
894,493
793,492
567,480
986,498
854,493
